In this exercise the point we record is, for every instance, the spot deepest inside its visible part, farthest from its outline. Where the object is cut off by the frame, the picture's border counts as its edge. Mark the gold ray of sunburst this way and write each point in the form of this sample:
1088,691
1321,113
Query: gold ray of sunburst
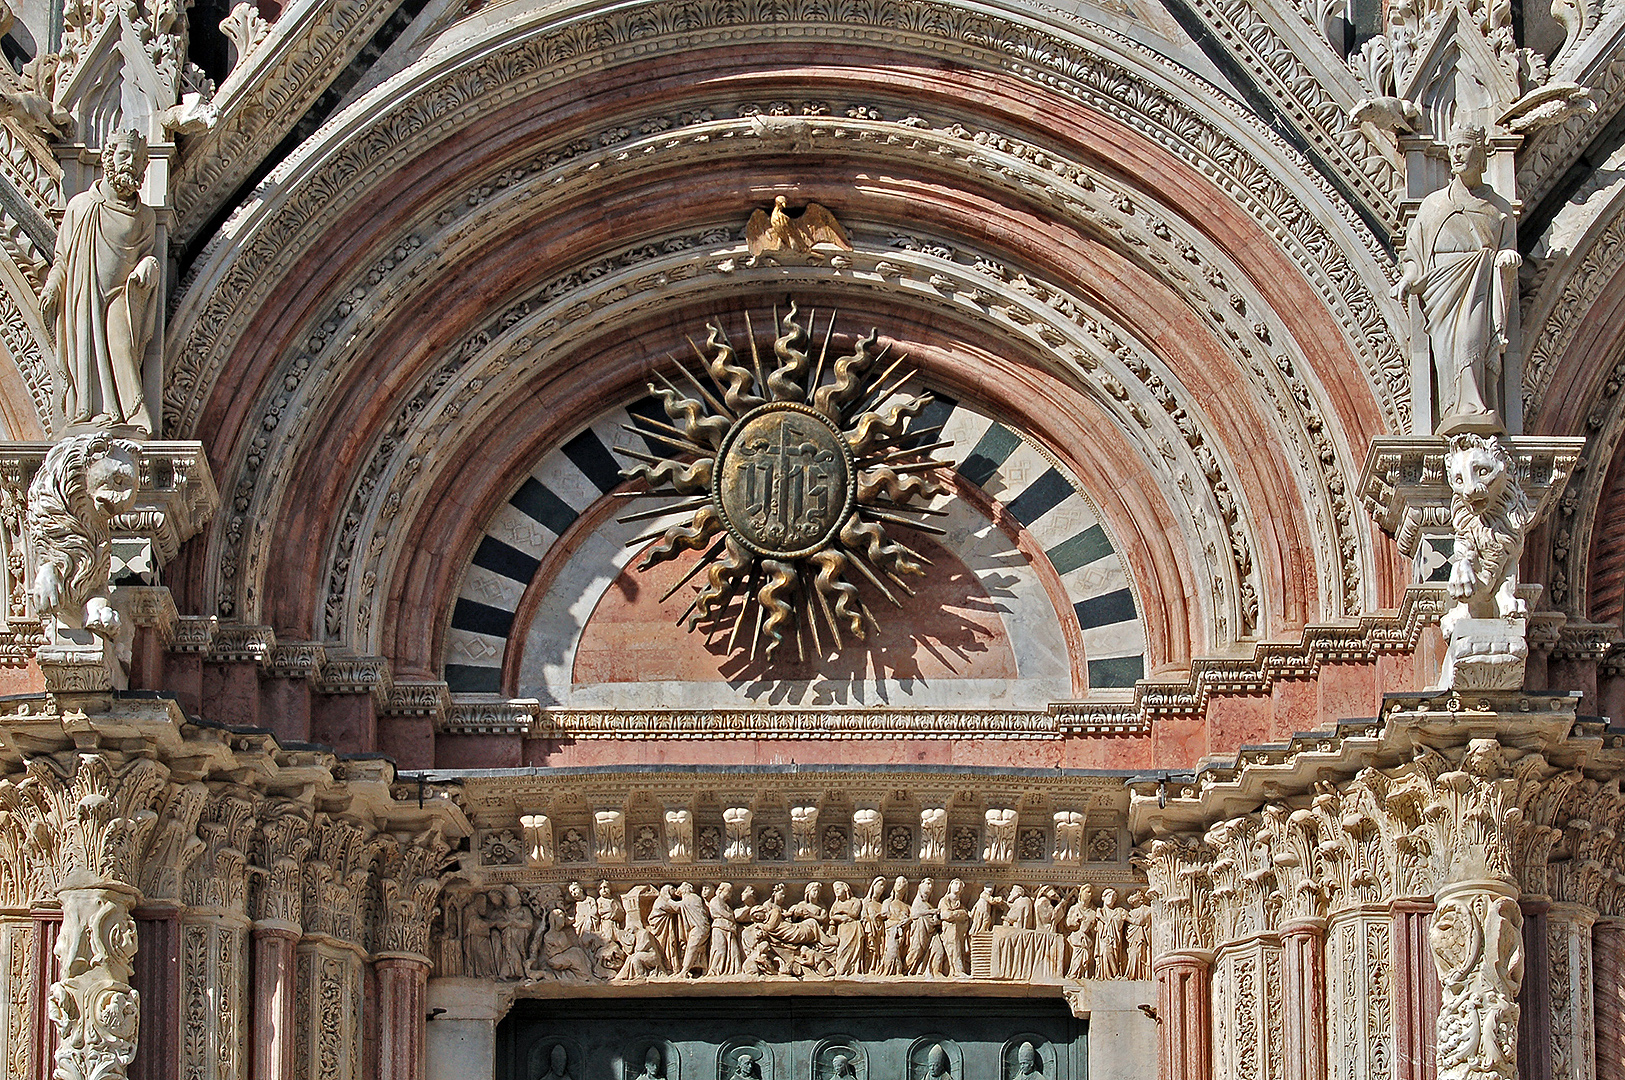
793,472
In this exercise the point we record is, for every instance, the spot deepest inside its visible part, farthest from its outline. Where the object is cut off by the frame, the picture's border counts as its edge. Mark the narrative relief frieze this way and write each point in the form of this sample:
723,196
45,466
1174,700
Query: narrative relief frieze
895,929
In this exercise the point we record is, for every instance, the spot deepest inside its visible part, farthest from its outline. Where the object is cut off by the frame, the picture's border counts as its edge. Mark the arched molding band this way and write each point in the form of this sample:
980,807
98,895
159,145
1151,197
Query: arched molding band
461,408
27,386
1281,382
429,103
1575,308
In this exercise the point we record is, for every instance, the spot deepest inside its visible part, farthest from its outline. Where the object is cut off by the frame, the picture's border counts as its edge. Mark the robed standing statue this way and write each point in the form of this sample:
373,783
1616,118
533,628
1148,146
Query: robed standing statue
1461,260
101,299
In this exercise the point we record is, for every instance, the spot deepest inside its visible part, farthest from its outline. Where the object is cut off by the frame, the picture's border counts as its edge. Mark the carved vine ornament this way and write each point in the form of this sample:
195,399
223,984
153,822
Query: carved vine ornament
792,473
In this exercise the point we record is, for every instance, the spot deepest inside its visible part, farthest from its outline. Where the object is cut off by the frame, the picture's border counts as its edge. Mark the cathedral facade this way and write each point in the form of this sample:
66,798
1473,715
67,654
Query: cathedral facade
812,540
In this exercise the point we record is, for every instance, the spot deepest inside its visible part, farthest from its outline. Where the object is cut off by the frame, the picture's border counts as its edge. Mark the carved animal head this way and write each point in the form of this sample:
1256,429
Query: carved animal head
84,482
1480,470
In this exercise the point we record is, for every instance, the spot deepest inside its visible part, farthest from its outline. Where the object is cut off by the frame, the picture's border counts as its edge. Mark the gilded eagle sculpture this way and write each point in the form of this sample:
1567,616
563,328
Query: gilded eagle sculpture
783,229
792,474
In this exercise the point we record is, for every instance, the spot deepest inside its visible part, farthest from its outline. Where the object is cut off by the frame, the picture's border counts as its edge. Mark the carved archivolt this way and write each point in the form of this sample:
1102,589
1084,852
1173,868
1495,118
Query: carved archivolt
663,264
211,318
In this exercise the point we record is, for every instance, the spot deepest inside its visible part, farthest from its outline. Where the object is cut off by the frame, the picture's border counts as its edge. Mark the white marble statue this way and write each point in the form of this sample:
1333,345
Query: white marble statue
1461,260
100,302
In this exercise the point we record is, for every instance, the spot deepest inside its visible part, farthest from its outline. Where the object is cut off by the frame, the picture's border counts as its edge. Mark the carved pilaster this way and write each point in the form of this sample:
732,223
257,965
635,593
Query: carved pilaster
17,998
1249,1042
96,1012
214,997
1477,941
329,1007
1569,989
1359,993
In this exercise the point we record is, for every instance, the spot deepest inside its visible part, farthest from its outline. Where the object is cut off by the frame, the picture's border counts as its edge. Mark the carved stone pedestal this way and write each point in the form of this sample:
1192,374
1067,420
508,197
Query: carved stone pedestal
1484,654
71,667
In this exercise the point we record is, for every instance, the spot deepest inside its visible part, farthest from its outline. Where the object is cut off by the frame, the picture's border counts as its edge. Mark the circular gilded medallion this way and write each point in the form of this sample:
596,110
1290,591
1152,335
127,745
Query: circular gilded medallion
784,480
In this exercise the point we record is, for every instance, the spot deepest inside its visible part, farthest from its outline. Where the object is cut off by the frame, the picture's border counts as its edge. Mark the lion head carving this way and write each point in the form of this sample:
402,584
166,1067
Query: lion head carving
84,482
1490,514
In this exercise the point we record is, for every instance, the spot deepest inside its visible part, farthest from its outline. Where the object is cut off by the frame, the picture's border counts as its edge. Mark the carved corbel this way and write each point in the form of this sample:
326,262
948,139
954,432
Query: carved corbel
538,839
740,843
804,832
999,840
609,835
679,834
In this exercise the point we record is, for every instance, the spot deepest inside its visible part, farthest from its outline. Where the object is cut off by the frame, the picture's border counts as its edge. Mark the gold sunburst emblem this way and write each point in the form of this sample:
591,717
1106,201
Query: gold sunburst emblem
793,473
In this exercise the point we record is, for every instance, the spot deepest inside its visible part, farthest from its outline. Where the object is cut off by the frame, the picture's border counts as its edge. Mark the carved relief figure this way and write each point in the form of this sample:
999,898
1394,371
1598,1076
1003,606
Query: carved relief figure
936,1064
1138,937
955,922
846,916
100,302
1083,921
893,955
83,483
514,925
984,916
652,1069
696,923
1028,1067
1461,259
558,1064
874,925
924,943
727,958
1112,939
744,1067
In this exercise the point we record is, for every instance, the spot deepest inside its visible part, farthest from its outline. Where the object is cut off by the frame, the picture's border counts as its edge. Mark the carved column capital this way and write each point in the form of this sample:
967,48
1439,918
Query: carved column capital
409,885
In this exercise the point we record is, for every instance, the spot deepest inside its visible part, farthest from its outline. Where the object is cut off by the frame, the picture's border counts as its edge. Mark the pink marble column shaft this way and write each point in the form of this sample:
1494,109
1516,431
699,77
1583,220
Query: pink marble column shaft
1185,1015
1608,975
402,983
1303,948
274,1016
1416,992
1534,997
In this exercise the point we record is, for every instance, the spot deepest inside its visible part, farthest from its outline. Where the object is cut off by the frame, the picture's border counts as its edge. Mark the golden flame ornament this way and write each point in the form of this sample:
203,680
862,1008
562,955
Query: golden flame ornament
795,472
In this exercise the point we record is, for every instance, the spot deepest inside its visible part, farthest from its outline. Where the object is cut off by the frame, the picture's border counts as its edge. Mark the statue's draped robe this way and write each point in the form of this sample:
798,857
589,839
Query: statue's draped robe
100,335
1456,235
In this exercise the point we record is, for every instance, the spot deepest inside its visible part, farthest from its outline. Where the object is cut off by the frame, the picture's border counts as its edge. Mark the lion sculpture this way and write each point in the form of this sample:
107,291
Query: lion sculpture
1490,514
84,482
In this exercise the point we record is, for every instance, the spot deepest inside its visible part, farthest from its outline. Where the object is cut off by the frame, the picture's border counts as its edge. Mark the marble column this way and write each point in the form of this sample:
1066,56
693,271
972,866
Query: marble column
1416,991
1568,980
274,993
1477,941
1185,1011
1608,984
1359,993
1248,1040
96,1011
402,982
1534,998
1303,949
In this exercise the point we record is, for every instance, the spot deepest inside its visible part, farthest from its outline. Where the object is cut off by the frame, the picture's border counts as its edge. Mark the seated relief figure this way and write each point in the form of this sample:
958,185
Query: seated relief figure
100,301
674,932
1461,261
